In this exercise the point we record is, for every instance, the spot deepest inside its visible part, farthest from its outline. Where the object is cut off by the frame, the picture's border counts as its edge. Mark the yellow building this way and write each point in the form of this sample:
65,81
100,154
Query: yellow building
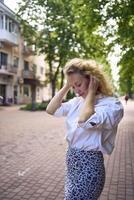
22,74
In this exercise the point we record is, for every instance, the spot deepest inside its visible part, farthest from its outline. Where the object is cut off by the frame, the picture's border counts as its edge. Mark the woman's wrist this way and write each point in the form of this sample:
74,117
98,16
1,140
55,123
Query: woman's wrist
90,96
67,86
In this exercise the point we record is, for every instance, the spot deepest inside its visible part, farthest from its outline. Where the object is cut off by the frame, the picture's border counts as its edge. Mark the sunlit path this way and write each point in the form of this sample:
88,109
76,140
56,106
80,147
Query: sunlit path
32,153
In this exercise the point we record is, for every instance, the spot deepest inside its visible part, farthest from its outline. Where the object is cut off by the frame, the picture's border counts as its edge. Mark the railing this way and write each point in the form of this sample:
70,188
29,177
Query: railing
13,68
28,74
9,68
8,37
28,50
3,67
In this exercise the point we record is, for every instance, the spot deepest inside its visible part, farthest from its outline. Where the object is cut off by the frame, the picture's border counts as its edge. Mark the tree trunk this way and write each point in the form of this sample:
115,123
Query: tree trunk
53,87
62,79
53,80
33,90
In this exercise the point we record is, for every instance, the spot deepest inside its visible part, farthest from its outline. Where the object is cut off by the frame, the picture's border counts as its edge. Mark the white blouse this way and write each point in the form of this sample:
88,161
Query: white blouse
99,131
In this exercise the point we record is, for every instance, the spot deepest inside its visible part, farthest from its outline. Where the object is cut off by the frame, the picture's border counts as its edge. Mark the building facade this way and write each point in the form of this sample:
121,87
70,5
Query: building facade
22,74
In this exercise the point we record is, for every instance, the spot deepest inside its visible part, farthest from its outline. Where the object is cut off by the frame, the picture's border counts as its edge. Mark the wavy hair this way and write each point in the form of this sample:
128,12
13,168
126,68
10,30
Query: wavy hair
87,68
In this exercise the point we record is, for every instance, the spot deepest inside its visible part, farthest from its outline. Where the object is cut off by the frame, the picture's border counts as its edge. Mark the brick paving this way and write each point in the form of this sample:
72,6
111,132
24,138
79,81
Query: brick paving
32,155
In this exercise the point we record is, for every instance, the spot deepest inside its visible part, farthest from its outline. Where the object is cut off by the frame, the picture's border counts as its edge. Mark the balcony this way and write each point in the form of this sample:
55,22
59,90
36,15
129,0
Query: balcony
28,50
27,74
9,38
30,78
8,70
13,69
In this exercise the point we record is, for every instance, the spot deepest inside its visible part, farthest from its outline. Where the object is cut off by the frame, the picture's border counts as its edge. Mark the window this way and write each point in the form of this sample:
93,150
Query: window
14,27
3,59
26,90
6,22
26,66
34,68
1,20
38,93
10,25
16,62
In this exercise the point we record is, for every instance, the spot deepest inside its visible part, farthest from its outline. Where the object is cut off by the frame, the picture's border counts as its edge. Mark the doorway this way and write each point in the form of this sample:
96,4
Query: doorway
3,92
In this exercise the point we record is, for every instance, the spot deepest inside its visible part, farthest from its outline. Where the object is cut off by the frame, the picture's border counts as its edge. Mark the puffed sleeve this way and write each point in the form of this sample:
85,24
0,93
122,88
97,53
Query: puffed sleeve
64,108
107,116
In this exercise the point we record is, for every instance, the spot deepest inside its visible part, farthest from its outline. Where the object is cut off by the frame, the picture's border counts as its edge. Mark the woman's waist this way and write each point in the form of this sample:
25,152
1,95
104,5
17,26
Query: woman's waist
93,148
75,153
84,142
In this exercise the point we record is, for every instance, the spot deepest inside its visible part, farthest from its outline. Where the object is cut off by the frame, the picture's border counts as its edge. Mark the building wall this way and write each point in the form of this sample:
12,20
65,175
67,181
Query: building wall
23,71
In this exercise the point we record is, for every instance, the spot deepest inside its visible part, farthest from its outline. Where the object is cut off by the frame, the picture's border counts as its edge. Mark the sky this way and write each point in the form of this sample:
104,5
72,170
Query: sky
12,4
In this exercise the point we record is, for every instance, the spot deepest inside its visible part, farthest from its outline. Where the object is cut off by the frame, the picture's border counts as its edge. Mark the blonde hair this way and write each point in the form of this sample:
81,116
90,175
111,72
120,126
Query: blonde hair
87,68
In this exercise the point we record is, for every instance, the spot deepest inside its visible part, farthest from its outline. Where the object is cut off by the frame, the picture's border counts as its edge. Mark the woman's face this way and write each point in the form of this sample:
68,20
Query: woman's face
79,84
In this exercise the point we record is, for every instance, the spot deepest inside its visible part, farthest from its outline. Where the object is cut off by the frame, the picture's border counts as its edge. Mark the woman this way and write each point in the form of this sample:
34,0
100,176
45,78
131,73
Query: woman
92,120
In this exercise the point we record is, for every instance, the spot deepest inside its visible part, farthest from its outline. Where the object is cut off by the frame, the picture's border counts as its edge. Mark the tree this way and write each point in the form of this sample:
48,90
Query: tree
118,20
127,73
67,29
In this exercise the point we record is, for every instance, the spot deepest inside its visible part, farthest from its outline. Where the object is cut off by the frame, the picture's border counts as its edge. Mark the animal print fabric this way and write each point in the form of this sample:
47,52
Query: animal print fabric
85,175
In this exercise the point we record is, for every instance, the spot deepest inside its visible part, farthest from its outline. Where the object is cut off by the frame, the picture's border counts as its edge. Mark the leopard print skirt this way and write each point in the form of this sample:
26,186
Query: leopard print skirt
85,175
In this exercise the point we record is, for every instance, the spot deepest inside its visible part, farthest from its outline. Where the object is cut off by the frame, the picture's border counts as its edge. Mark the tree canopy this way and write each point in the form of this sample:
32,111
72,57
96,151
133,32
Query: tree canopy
122,14
63,29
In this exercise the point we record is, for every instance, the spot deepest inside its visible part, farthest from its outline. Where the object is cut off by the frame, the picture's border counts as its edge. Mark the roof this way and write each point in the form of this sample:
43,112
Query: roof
8,11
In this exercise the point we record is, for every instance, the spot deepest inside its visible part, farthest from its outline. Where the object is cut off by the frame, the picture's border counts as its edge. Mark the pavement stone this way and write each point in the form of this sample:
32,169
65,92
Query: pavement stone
32,157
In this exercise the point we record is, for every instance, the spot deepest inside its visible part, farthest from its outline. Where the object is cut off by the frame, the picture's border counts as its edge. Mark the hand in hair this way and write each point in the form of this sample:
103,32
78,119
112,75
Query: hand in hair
68,84
93,84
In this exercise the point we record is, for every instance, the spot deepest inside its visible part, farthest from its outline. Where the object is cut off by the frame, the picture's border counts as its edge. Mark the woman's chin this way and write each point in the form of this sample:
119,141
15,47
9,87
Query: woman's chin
82,95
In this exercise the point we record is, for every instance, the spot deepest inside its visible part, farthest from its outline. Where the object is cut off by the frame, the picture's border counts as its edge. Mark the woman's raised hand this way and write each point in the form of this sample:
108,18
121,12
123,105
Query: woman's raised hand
67,85
93,84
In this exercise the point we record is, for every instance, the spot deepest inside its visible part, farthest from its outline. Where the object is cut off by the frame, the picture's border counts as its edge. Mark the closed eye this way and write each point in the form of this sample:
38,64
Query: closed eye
78,85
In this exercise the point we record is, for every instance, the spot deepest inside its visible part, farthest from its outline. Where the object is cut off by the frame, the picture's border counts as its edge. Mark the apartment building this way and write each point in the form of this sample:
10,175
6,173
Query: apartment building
22,74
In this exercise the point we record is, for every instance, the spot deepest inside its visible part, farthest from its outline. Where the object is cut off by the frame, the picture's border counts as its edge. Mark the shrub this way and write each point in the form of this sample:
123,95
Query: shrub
36,106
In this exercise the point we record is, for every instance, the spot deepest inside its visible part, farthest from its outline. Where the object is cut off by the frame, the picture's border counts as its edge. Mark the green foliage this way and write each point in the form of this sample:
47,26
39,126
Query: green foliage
71,28
38,106
127,72
121,14
70,95
67,29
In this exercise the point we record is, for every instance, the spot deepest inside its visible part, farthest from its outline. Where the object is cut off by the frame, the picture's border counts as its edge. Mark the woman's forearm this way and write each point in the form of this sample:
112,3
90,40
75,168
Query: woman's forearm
57,100
88,107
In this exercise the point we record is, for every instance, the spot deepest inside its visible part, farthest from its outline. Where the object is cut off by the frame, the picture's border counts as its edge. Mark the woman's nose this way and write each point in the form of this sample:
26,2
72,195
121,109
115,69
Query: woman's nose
77,90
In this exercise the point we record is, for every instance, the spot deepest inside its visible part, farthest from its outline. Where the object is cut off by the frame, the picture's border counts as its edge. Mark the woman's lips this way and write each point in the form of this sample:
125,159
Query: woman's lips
81,94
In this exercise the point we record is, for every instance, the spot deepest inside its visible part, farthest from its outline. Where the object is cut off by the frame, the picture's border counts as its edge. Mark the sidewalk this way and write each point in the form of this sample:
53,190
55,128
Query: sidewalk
32,153
120,165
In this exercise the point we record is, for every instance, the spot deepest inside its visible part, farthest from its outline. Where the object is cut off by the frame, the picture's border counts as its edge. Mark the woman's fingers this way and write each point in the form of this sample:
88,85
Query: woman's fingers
94,83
